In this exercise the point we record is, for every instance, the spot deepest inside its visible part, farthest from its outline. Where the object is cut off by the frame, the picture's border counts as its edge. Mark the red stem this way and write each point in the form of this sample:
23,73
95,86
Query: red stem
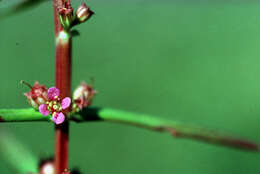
63,82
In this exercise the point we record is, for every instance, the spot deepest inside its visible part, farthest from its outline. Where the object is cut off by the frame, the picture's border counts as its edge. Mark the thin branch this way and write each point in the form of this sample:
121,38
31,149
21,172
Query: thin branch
21,115
176,129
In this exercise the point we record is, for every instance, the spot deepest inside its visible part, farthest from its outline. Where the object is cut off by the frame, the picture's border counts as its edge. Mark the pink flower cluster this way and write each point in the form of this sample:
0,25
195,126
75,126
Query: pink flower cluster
48,101
55,106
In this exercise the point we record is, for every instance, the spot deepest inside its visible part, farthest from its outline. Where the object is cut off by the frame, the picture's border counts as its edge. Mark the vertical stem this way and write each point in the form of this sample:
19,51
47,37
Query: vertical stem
63,82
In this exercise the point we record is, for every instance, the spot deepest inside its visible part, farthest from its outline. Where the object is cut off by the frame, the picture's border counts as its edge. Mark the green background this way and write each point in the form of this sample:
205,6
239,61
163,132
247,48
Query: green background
193,61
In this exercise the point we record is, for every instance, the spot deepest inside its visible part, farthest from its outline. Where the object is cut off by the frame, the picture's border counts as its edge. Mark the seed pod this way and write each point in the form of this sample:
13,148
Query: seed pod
83,96
37,95
83,13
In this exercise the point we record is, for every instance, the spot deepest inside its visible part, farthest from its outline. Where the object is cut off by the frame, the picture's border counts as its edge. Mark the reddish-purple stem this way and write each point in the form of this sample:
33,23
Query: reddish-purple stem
63,82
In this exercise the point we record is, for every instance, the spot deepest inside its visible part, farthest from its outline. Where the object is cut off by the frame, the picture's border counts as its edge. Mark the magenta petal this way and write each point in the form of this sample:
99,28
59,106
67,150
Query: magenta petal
65,103
54,118
53,92
58,118
43,108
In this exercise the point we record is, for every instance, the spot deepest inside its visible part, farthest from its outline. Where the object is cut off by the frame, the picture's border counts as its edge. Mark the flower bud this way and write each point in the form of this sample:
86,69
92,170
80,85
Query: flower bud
65,14
83,96
37,95
83,13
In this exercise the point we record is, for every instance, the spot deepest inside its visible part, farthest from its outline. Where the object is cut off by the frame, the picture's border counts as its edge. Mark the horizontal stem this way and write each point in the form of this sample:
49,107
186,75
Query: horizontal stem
176,129
21,115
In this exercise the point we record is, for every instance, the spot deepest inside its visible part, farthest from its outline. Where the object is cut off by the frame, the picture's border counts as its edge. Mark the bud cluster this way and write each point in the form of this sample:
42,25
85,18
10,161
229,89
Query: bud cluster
65,14
68,19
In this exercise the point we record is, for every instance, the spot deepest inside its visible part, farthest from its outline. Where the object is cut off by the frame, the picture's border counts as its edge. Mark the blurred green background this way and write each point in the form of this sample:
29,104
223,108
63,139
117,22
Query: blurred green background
193,61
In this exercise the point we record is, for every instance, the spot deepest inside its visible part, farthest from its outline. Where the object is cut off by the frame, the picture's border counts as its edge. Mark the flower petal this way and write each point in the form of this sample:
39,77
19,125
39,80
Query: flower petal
58,118
53,92
43,108
54,118
65,103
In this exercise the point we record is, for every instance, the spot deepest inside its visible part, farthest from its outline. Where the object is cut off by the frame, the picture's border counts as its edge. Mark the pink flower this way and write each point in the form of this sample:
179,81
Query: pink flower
55,105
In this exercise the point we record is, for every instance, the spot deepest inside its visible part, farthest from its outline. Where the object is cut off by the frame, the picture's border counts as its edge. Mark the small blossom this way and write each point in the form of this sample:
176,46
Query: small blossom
37,95
55,106
83,96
